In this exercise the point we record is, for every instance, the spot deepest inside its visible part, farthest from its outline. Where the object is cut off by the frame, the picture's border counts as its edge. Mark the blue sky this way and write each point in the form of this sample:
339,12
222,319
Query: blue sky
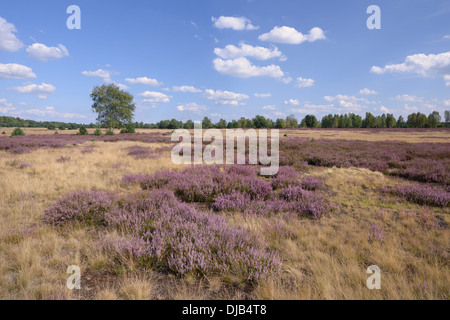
225,58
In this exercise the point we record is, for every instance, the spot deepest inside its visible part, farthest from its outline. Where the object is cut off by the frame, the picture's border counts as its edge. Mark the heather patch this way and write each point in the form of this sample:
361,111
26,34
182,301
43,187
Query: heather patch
138,152
424,162
421,194
163,233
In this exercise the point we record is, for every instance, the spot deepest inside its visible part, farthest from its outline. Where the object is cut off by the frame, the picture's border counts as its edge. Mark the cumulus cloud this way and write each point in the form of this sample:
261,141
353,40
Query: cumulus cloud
225,97
292,102
42,90
351,103
5,106
447,80
304,83
366,92
241,67
8,40
41,52
289,35
235,23
420,64
246,50
144,81
408,98
263,95
384,109
15,71
153,97
185,89
104,74
270,107
446,103
408,108
191,107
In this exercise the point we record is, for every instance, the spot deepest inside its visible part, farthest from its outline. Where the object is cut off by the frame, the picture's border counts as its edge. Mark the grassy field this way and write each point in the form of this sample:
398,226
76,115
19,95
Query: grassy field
320,259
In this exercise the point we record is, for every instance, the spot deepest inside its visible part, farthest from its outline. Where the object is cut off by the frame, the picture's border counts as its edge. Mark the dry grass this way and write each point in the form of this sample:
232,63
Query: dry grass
324,259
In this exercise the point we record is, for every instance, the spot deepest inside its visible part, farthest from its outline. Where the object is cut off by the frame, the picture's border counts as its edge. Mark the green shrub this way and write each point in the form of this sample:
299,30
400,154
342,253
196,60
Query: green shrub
3,132
51,127
56,132
97,132
83,131
109,132
62,128
17,132
123,131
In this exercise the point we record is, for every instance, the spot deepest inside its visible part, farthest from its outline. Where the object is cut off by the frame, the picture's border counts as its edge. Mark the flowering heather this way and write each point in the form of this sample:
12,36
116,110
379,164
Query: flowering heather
63,159
429,220
375,232
162,232
28,143
286,176
84,207
422,194
311,183
425,162
138,152
25,165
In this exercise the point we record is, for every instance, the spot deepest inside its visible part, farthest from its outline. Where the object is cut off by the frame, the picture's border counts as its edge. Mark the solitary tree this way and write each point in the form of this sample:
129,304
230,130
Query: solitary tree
115,107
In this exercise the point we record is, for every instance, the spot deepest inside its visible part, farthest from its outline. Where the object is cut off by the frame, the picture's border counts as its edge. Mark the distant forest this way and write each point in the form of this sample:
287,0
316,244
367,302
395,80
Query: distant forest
414,120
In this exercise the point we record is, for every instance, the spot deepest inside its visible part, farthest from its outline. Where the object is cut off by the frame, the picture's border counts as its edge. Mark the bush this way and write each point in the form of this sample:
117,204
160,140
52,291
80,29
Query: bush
83,131
51,127
3,132
56,132
123,131
17,132
109,132
98,132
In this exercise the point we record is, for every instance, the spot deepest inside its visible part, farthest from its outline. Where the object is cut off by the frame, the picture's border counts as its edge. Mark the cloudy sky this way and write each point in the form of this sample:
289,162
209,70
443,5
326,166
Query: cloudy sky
225,58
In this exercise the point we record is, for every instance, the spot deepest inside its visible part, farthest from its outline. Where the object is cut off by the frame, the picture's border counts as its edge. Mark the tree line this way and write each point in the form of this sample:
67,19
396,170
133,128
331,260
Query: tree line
115,109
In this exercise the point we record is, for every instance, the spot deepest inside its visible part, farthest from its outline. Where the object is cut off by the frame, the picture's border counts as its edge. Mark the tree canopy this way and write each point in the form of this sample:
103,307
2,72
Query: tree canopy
115,107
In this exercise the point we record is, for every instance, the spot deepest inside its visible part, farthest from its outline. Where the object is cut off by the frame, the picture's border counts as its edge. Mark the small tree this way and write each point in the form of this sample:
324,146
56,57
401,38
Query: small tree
17,132
114,107
83,131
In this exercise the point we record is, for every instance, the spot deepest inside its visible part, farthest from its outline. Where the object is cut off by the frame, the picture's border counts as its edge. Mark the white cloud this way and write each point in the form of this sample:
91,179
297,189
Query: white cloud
15,71
279,114
186,89
422,65
408,98
408,108
235,23
271,107
191,107
41,52
366,91
246,50
292,102
5,106
42,90
225,97
350,102
8,40
144,81
384,109
286,80
51,112
241,67
447,80
153,97
104,74
121,86
263,95
446,103
304,83
446,37
291,36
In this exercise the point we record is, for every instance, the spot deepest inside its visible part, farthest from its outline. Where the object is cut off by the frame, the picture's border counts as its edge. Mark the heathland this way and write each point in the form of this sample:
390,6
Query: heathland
140,227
